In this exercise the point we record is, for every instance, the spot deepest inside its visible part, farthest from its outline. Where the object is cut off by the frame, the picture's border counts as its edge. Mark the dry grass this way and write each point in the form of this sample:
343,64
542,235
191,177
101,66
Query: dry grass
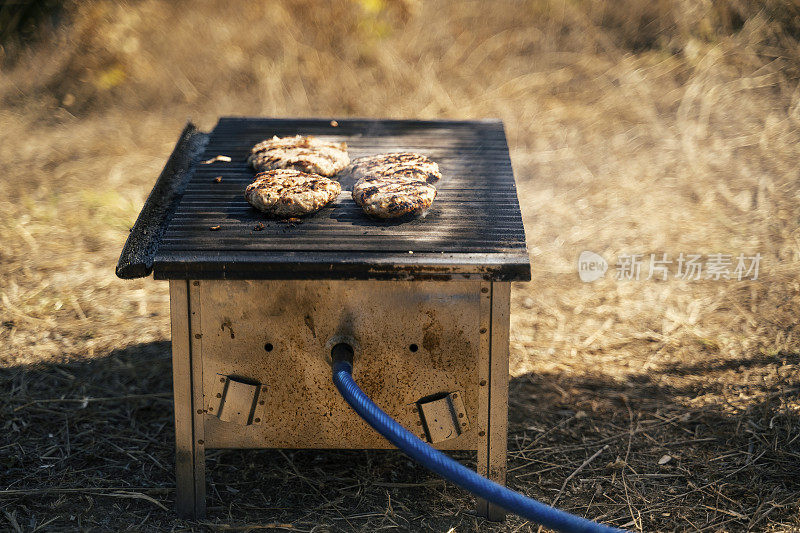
635,127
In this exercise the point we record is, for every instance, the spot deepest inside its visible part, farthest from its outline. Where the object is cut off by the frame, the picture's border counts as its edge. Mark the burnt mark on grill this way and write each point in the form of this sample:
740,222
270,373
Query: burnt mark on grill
432,331
310,325
229,325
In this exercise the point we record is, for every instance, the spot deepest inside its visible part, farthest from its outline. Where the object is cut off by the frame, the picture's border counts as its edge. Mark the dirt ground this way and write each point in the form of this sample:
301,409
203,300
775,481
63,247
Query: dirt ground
636,127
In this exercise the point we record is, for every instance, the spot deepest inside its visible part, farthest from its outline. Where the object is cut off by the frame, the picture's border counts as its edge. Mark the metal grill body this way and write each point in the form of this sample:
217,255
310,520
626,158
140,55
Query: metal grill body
255,312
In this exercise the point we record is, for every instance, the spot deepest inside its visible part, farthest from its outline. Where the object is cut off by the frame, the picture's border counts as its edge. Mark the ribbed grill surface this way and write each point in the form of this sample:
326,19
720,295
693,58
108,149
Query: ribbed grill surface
476,210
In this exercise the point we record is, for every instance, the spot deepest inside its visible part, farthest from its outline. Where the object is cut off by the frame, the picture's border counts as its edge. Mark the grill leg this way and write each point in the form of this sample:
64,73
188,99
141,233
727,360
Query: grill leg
190,453
493,362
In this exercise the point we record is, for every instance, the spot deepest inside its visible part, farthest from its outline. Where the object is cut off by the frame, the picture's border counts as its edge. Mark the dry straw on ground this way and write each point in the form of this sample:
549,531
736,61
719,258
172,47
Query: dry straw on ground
635,127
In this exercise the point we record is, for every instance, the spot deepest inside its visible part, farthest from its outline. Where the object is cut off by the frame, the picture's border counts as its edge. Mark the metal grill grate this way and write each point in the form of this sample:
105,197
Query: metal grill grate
474,228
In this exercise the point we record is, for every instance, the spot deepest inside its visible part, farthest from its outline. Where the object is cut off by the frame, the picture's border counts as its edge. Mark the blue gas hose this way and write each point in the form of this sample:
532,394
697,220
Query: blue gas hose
452,470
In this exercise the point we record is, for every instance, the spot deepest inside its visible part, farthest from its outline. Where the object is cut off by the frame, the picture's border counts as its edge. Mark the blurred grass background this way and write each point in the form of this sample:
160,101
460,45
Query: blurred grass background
635,126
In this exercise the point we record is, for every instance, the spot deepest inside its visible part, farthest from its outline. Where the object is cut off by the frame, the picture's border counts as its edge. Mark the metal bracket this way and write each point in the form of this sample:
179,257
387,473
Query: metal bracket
443,416
236,401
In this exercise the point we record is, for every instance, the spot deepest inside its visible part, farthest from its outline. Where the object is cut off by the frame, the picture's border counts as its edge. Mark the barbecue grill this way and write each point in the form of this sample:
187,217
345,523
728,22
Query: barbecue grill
257,305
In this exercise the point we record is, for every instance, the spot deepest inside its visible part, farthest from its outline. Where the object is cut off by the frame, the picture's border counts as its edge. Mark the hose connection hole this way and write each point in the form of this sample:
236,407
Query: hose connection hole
268,347
342,352
413,347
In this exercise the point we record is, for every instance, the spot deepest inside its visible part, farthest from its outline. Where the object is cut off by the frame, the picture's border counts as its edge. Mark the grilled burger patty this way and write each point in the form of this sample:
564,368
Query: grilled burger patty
290,193
394,185
307,154
399,164
393,197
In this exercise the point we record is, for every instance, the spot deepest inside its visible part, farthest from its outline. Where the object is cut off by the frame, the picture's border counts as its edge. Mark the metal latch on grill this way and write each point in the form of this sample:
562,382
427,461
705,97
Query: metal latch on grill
443,416
237,401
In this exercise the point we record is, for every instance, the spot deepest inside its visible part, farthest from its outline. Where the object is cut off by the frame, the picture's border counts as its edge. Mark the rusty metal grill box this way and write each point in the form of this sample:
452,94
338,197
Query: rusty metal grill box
257,305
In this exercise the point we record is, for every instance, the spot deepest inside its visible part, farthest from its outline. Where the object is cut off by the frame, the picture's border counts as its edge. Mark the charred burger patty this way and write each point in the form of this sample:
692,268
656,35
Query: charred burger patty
306,154
291,193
